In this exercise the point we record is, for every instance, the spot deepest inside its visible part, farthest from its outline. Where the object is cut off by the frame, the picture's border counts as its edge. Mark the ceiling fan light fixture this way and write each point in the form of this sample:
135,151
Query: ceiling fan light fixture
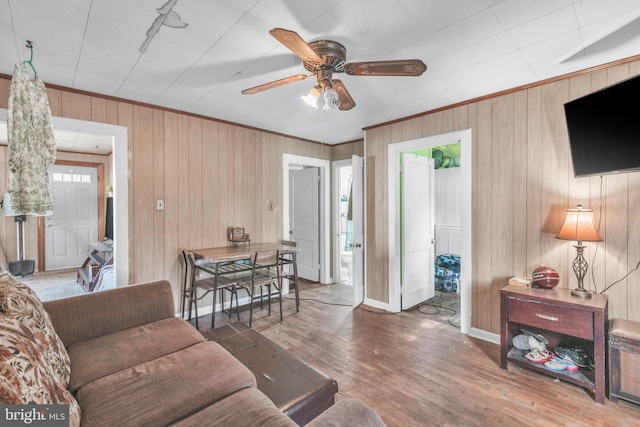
311,99
331,100
325,57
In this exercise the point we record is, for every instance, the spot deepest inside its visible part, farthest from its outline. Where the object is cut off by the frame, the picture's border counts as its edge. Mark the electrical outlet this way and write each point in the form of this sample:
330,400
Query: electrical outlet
159,205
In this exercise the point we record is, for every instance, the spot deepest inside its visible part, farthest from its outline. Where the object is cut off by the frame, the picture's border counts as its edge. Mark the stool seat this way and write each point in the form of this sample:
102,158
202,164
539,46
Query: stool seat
625,329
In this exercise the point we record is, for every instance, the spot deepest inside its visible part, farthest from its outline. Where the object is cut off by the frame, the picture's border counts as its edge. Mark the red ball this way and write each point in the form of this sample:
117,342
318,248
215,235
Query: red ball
545,277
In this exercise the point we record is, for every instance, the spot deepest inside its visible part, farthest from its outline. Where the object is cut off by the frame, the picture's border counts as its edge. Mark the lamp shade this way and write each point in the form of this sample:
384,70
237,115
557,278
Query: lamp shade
311,99
579,225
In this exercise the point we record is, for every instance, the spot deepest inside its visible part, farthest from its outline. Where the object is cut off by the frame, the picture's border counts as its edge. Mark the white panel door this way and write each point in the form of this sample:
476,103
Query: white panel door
74,221
417,230
304,220
357,247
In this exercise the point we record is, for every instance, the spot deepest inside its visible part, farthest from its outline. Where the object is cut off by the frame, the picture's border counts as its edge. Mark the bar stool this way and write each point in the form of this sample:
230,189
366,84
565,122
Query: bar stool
212,283
259,277
289,258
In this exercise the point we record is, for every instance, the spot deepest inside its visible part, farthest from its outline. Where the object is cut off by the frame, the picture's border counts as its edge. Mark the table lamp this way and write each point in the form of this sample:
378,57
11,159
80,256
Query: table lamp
579,225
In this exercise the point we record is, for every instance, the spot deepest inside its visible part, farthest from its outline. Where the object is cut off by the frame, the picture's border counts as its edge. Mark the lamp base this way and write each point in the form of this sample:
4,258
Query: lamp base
581,292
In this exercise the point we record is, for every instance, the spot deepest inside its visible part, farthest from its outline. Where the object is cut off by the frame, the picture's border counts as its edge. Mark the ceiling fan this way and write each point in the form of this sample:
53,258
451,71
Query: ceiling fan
325,57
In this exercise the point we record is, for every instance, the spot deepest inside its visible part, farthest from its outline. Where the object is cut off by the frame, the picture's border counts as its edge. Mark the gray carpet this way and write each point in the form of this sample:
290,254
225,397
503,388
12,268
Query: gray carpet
53,285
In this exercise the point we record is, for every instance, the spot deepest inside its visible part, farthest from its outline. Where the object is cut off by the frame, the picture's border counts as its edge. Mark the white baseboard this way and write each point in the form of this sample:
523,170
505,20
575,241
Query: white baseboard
377,304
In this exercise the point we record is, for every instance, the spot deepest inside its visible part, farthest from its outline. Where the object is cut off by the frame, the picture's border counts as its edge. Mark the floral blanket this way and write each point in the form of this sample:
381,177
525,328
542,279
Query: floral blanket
34,365
32,147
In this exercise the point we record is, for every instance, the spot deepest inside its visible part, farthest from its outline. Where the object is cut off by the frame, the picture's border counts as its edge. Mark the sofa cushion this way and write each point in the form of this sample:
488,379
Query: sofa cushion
18,301
348,412
25,374
109,311
164,390
248,407
107,354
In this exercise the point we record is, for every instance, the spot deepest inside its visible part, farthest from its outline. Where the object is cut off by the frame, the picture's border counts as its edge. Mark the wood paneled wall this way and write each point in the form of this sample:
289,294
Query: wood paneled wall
347,150
213,174
522,183
209,173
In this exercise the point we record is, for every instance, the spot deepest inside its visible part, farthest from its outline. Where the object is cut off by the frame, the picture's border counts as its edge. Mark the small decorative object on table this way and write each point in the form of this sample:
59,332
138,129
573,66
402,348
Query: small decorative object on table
520,281
545,277
237,235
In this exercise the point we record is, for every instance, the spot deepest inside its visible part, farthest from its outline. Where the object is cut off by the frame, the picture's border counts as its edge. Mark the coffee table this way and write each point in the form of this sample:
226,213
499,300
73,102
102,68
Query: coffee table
298,389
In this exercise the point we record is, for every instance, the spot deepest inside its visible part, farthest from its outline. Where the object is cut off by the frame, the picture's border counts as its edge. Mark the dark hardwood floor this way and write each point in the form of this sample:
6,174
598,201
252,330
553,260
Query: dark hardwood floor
416,369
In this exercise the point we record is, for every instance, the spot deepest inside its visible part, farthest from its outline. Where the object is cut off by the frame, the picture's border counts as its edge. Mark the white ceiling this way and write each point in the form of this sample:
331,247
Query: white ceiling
471,47
73,141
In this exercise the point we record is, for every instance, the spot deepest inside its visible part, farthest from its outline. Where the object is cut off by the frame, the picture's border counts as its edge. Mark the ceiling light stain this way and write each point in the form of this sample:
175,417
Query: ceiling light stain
167,17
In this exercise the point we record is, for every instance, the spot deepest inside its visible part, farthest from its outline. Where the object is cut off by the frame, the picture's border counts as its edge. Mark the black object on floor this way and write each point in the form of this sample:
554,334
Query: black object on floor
21,267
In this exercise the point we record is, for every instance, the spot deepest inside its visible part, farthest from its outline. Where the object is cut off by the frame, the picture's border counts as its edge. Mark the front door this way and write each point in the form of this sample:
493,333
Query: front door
417,230
74,221
304,220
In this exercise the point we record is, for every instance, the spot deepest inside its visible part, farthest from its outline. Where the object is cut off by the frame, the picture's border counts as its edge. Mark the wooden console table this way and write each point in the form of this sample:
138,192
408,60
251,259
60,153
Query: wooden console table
101,255
562,319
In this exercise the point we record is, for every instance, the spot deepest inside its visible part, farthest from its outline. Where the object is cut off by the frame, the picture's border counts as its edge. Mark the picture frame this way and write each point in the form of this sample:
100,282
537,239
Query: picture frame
235,233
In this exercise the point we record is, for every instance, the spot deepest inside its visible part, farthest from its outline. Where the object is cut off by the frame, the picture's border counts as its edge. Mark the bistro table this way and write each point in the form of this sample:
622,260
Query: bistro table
234,253
225,254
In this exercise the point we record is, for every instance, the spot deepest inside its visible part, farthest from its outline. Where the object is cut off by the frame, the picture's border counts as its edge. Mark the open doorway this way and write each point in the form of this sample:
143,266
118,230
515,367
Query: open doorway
394,150
290,161
118,135
439,219
304,219
343,222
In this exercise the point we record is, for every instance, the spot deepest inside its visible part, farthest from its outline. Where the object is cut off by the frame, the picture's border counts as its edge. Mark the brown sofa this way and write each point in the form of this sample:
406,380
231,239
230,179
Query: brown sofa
129,361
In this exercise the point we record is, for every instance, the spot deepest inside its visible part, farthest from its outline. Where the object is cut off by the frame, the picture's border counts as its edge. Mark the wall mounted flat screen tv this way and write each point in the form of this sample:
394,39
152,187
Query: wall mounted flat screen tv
604,130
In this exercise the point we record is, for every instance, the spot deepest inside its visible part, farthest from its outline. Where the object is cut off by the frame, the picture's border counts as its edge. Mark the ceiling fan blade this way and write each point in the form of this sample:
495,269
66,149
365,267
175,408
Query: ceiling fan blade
296,44
276,83
346,102
404,67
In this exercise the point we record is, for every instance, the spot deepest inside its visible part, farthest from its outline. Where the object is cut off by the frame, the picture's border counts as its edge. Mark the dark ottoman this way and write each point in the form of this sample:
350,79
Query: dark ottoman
298,389
624,360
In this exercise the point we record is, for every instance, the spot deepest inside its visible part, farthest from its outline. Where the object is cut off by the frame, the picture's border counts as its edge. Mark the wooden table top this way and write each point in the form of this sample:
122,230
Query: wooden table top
558,294
233,253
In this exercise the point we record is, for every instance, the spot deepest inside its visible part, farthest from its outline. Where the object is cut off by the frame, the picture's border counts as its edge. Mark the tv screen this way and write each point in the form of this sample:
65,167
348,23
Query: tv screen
108,219
604,130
